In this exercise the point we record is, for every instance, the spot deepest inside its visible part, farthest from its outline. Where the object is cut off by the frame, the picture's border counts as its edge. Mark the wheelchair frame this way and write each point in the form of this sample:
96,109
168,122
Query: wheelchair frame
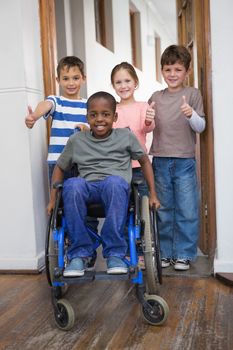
143,236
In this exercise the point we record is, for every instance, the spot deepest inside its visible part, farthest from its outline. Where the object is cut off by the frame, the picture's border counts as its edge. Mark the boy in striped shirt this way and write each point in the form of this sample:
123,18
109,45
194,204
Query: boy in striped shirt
67,111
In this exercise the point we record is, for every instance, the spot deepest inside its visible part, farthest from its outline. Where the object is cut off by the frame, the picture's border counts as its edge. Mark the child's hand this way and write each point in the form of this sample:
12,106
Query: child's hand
150,114
82,127
154,202
29,120
185,108
50,207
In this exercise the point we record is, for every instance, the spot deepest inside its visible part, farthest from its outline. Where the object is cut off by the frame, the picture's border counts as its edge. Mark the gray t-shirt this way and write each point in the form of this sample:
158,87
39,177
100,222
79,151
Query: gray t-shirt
98,158
174,134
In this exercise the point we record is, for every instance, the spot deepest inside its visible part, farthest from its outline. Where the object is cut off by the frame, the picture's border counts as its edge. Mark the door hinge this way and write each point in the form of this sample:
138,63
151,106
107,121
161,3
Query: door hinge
206,210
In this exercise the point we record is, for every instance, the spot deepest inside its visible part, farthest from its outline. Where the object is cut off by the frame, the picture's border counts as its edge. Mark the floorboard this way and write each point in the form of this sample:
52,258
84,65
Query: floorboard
108,316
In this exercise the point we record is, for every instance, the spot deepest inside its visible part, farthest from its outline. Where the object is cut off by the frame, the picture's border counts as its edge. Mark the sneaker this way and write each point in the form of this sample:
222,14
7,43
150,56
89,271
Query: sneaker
116,265
165,262
181,264
75,268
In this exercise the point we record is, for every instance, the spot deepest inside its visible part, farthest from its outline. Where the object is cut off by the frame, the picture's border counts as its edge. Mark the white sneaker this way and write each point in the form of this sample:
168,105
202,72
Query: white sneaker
165,262
181,264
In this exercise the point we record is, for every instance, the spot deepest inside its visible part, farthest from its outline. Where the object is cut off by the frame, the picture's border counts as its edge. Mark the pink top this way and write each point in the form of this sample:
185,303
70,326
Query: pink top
133,116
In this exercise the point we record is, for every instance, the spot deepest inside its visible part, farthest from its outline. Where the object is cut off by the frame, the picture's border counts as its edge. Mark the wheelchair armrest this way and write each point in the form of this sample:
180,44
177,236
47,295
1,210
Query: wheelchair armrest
58,185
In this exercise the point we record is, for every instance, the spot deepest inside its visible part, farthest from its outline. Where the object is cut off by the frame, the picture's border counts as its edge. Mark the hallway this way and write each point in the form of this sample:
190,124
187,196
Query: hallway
108,316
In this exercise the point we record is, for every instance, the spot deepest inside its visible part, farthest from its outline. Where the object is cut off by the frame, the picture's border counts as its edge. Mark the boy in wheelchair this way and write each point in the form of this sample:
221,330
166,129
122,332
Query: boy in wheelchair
103,156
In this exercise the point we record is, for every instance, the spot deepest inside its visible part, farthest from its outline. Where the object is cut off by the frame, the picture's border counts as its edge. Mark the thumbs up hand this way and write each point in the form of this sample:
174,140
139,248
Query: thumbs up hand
186,108
150,114
29,120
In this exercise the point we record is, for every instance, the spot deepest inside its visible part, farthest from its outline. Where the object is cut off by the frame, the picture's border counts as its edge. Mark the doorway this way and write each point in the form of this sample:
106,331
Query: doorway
193,21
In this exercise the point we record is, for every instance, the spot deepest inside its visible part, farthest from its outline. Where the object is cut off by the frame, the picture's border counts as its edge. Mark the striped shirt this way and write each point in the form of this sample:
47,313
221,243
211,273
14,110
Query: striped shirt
65,115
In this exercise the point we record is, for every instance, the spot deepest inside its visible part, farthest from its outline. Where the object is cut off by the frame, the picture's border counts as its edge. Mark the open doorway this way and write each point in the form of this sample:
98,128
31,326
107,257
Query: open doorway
193,32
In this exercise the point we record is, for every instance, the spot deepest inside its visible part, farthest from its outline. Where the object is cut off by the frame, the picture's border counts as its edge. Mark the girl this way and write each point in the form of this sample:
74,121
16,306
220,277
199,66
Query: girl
135,115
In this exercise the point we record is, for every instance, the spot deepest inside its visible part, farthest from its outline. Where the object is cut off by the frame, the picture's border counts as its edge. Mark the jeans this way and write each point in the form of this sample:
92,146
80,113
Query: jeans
113,194
142,187
178,216
92,222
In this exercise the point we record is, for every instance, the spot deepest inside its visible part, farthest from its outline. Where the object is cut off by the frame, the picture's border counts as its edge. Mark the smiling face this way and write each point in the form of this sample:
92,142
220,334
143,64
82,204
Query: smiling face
124,85
174,75
71,81
101,115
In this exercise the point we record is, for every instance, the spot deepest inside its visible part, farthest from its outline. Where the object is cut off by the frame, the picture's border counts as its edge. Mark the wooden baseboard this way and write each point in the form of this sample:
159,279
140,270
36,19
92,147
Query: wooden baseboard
21,272
226,278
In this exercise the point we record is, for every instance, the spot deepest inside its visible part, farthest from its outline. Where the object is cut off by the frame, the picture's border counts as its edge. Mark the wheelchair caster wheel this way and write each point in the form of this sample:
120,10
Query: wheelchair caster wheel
64,315
158,311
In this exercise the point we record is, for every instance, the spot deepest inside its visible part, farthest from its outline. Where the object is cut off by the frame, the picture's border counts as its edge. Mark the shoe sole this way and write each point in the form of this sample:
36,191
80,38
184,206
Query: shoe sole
165,265
117,271
181,268
73,273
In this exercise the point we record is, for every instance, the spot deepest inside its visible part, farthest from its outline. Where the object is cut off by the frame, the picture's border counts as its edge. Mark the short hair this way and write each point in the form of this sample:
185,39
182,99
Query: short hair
104,95
127,66
70,61
176,53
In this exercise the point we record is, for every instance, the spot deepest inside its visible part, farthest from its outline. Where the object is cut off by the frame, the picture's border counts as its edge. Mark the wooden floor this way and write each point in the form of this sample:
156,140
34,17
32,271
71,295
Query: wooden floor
108,316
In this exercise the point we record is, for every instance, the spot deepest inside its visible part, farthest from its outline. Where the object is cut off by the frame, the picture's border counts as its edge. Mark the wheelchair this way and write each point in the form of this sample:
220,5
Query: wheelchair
142,240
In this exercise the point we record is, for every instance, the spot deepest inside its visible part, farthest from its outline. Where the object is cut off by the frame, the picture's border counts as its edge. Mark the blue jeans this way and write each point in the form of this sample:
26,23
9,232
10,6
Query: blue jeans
178,217
113,194
92,222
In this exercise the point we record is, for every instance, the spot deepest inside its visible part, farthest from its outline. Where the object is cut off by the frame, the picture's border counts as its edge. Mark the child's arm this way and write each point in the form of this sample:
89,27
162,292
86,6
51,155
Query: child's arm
196,122
42,108
58,176
149,176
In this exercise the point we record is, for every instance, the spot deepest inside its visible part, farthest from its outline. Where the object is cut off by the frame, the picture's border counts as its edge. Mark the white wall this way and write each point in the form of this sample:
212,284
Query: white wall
222,77
23,186
100,61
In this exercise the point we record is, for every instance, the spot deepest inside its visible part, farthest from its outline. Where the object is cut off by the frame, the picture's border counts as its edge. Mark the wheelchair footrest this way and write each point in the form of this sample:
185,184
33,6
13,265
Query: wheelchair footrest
103,275
94,275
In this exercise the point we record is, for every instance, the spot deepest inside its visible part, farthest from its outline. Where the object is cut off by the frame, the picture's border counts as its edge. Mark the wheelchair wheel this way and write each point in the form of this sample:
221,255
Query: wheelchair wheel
159,312
51,258
51,253
150,250
64,315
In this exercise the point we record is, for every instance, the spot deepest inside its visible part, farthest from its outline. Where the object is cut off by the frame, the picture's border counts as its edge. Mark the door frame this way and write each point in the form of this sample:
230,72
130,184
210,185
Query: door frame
208,209
200,26
49,49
